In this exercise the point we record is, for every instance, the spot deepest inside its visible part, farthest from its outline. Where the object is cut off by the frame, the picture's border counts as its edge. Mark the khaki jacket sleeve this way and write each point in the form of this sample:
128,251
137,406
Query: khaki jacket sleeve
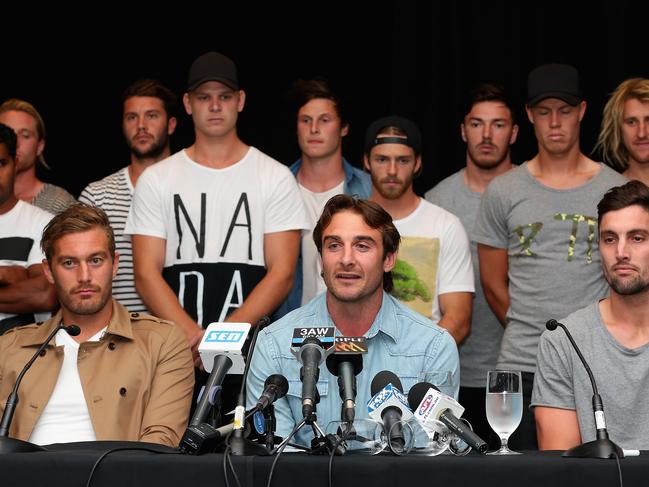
167,412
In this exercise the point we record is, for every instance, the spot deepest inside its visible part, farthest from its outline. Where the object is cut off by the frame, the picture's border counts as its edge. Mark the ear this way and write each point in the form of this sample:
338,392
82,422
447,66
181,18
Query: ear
528,109
47,271
41,147
115,264
389,262
463,132
242,101
187,105
344,130
514,135
171,125
582,110
417,165
366,164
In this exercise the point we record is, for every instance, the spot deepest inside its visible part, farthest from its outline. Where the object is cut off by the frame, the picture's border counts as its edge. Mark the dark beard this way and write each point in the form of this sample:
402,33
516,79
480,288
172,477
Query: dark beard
153,152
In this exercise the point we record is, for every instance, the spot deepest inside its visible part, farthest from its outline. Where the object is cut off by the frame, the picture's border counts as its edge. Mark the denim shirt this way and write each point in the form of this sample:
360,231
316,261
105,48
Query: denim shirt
399,340
357,182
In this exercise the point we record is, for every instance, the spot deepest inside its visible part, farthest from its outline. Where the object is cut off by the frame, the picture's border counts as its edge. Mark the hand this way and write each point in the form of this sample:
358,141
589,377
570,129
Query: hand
194,342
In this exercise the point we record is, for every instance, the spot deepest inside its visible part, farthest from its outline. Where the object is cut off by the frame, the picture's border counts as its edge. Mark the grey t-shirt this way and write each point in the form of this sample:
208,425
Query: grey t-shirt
622,377
478,352
551,241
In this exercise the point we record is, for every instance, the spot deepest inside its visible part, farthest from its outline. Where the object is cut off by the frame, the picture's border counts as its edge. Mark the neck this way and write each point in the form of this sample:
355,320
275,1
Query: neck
564,171
7,205
637,172
139,164
354,318
627,318
321,174
477,178
27,185
399,208
217,153
567,162
89,324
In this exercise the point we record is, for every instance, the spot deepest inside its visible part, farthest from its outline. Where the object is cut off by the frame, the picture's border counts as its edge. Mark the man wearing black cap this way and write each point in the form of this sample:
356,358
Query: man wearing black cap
433,274
216,227
536,230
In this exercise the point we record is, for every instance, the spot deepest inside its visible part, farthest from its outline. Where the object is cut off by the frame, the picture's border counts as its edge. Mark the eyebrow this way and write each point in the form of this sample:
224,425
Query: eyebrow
357,238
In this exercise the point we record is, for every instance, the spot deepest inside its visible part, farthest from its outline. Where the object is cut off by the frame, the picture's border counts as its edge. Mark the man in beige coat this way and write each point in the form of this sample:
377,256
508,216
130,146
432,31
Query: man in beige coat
124,377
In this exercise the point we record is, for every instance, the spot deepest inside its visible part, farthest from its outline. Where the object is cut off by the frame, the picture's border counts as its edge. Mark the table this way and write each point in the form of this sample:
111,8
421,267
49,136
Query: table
70,464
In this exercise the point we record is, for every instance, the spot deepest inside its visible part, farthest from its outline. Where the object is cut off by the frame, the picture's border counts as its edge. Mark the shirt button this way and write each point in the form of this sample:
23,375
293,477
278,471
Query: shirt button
43,352
111,346
135,315
122,391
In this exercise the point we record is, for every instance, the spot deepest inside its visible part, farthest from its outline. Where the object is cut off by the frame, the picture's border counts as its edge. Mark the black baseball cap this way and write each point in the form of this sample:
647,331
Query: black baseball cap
412,139
213,66
554,81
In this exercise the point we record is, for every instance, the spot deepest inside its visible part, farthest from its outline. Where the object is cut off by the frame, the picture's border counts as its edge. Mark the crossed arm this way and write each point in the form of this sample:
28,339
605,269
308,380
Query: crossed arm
25,290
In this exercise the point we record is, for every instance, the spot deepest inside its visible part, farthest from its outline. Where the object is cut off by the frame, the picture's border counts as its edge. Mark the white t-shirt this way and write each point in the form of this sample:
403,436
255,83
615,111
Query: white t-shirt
20,240
434,258
214,222
312,282
65,418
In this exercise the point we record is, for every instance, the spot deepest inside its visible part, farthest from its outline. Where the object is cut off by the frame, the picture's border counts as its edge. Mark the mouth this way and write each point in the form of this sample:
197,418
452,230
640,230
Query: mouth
86,292
347,276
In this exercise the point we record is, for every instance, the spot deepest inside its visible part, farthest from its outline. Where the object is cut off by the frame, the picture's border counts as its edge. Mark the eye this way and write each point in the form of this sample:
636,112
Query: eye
68,263
333,246
474,124
500,125
226,96
96,261
202,98
153,115
638,238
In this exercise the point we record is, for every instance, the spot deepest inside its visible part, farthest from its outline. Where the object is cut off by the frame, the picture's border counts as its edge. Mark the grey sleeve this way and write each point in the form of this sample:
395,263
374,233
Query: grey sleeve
553,382
491,223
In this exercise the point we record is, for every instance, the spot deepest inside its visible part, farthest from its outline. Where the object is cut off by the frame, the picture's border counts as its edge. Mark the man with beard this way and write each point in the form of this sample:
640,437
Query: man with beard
125,377
148,121
536,229
612,334
433,274
488,129
624,136
28,124
24,291
357,243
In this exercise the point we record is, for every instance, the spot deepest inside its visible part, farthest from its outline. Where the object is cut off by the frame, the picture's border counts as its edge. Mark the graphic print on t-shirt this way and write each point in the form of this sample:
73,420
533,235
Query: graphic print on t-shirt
210,291
415,273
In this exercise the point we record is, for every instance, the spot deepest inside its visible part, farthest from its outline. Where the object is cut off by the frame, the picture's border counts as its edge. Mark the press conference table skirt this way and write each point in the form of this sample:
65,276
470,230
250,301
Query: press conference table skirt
70,465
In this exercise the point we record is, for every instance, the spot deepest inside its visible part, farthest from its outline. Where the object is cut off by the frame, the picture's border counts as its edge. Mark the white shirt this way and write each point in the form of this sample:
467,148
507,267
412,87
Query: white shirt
66,418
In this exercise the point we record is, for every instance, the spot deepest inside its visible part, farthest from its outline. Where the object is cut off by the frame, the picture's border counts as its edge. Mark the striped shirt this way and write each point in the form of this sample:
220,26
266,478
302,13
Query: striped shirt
113,194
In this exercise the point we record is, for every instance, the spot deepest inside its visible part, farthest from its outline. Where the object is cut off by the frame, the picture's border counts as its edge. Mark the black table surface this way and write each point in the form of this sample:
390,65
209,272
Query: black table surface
70,465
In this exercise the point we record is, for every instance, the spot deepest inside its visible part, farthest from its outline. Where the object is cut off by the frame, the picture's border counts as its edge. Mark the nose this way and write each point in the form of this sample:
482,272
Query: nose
347,258
486,131
555,120
215,104
643,129
315,128
83,272
622,250
392,167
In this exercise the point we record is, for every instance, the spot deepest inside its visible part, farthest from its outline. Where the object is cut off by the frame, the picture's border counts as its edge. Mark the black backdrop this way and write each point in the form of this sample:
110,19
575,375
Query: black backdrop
412,58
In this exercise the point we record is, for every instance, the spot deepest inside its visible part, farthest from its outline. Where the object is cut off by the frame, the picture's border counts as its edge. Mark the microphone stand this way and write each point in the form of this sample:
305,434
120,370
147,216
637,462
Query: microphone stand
603,446
238,444
14,445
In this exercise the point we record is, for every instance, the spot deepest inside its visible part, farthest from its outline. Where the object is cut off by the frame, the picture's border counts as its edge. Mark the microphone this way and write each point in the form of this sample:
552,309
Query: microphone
310,355
12,400
389,406
275,387
346,367
602,447
220,351
428,404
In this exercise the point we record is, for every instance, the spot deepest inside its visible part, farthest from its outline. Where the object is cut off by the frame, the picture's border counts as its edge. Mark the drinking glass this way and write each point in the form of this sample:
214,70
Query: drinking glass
362,436
504,406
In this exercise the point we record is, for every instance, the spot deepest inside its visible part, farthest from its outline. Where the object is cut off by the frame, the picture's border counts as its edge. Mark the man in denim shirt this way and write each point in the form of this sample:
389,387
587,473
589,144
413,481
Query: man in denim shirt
357,242
321,172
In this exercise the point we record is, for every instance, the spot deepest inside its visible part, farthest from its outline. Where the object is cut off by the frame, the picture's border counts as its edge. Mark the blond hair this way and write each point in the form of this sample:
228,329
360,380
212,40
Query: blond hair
16,105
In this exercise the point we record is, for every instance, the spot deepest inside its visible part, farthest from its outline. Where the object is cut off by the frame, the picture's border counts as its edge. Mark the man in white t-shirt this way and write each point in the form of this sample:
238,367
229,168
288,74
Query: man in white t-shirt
216,227
25,294
148,121
433,274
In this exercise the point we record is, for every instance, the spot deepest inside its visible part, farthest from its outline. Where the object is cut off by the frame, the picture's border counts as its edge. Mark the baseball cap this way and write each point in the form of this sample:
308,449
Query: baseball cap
553,81
412,139
212,66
